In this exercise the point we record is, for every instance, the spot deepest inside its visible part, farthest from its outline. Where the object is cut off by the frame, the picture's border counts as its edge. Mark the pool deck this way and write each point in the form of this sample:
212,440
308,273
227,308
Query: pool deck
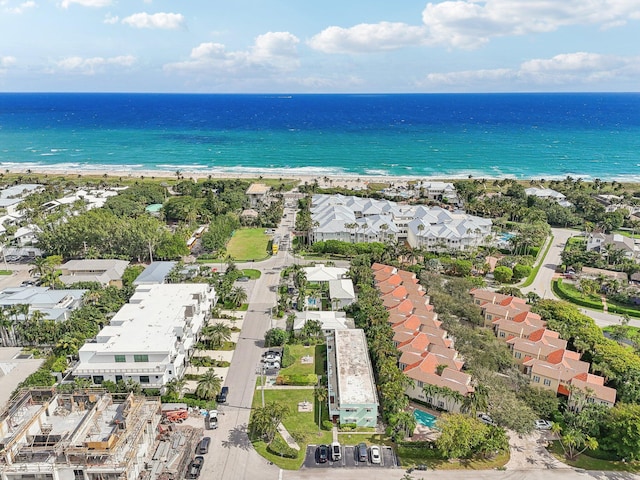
422,432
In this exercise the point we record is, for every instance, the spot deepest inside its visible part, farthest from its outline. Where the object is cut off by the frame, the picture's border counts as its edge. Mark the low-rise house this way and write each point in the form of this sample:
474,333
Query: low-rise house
54,304
351,384
341,293
84,435
151,338
329,321
590,272
521,325
600,242
89,199
550,194
155,273
321,273
27,235
12,197
257,193
105,272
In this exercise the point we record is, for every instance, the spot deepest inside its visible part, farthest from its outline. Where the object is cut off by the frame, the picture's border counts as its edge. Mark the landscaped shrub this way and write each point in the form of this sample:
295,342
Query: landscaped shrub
327,424
279,447
297,380
287,358
565,293
348,427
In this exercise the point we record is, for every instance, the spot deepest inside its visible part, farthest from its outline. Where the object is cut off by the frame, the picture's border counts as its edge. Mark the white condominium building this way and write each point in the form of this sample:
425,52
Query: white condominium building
355,219
151,338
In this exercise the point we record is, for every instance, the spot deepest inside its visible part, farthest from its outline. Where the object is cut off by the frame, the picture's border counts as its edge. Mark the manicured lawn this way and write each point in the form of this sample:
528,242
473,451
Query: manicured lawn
302,426
589,463
248,244
368,438
410,457
536,269
251,273
5,272
299,351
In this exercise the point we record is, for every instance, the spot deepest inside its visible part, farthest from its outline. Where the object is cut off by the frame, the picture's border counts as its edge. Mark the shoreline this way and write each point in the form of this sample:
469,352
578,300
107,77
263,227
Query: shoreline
327,180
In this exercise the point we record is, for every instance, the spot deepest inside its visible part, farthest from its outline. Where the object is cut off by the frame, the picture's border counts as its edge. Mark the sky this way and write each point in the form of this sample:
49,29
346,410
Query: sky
328,46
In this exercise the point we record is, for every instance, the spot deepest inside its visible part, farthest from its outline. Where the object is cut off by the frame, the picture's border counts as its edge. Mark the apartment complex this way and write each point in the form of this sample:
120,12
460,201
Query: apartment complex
351,385
91,435
355,219
54,304
151,338
541,353
106,272
427,356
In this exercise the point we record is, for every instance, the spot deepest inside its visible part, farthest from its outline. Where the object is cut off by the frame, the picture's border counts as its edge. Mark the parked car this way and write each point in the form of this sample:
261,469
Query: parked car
272,365
222,396
361,450
543,424
195,467
275,353
203,446
213,419
323,454
336,452
271,358
484,418
375,454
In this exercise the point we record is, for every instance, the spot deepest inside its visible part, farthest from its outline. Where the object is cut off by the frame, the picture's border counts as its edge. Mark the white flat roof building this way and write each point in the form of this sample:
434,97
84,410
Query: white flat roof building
151,338
328,319
352,389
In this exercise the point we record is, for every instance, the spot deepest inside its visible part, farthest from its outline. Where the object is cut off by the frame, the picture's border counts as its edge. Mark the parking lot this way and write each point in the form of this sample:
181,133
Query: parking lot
349,459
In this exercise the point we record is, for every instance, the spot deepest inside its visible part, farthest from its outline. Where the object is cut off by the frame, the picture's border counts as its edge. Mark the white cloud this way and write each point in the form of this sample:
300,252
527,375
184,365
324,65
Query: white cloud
18,9
472,23
367,37
6,61
564,70
271,52
93,65
86,3
166,21
111,19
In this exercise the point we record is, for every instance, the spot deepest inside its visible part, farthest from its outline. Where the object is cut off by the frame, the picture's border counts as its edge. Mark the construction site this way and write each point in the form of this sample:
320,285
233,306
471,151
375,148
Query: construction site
91,435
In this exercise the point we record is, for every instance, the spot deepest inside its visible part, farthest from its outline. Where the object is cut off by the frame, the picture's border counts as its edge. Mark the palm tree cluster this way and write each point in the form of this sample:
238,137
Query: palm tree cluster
209,385
265,420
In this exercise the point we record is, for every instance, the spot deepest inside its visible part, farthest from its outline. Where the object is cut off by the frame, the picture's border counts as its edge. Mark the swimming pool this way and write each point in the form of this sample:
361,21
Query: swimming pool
424,418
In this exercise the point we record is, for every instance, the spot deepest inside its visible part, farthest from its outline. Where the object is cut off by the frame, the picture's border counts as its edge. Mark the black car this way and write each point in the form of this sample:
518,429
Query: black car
323,454
195,467
222,396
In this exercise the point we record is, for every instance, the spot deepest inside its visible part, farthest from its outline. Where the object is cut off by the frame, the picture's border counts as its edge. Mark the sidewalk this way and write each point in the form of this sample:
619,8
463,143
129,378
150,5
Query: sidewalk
287,437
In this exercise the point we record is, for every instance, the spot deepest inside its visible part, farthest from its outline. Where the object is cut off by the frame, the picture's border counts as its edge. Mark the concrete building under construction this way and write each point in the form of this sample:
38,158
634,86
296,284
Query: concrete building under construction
90,435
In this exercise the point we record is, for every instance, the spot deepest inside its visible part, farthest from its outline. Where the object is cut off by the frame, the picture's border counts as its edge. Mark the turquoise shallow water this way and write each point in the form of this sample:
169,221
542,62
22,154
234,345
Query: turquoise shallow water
515,135
424,418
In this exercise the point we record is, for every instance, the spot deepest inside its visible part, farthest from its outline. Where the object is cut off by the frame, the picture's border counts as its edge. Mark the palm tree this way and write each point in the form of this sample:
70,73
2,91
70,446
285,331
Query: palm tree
5,327
176,386
401,424
265,420
217,334
477,401
237,296
209,385
321,394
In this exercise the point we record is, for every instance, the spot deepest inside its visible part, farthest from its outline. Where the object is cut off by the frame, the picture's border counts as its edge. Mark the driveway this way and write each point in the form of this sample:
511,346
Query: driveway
528,452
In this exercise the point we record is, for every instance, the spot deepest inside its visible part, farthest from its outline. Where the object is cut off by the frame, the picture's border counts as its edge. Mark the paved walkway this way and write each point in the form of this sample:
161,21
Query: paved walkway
528,452
287,437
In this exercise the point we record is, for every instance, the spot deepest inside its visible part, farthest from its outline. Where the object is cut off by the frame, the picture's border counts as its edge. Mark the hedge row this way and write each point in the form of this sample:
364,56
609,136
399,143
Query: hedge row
566,294
297,380
279,447
287,358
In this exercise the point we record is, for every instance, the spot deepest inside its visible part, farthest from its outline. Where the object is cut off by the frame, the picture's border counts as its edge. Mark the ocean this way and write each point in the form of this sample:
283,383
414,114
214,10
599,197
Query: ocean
593,135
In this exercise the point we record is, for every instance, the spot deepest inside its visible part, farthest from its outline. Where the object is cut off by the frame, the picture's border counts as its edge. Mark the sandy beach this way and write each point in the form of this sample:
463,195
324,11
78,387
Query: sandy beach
346,181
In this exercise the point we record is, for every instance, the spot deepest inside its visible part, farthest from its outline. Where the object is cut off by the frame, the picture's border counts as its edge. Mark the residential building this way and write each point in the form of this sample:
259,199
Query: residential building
590,272
329,321
355,219
550,194
11,197
427,356
602,242
541,352
54,304
150,339
15,366
341,293
351,385
257,193
27,235
155,273
438,191
87,199
105,272
89,435
321,273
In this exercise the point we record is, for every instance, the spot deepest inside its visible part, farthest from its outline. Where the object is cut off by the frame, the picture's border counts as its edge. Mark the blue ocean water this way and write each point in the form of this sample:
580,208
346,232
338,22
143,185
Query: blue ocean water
446,136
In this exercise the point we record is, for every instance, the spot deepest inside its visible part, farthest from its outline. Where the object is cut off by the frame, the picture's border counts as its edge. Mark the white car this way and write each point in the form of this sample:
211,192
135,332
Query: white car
271,358
484,418
272,365
375,454
543,424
